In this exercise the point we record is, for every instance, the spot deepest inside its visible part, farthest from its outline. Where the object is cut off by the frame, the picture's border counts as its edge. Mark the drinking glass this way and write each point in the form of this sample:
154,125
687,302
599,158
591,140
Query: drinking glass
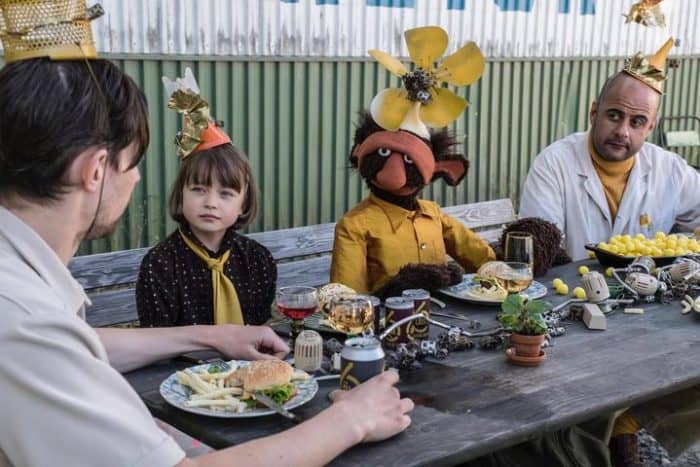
297,303
514,277
519,248
352,315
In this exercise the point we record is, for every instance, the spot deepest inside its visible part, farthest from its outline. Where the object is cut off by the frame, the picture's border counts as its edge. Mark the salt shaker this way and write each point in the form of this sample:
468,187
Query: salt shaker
308,351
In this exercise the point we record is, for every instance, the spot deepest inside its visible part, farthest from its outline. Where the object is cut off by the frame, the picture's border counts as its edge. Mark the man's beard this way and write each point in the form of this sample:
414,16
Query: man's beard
101,230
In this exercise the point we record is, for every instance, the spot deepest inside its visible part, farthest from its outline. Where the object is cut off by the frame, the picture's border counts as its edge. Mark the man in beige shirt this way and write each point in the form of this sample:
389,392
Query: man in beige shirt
71,135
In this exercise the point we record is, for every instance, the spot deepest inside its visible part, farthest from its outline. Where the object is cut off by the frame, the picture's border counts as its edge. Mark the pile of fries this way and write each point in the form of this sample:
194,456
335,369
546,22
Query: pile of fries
213,390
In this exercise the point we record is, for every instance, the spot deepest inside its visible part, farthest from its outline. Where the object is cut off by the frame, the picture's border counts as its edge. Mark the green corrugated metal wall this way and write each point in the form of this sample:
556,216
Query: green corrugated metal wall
295,121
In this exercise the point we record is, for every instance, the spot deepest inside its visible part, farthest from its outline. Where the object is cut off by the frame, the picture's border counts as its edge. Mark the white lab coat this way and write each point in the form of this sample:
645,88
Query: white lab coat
563,187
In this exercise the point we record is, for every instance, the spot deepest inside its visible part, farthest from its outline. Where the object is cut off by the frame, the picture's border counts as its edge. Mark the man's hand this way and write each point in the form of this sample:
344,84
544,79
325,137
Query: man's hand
248,342
375,407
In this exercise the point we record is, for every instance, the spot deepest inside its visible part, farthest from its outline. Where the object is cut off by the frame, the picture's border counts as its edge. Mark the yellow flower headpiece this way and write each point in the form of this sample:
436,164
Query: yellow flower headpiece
58,29
650,71
647,13
422,101
199,130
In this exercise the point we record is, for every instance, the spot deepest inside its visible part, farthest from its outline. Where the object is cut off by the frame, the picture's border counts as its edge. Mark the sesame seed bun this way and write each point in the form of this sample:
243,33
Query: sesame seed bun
264,374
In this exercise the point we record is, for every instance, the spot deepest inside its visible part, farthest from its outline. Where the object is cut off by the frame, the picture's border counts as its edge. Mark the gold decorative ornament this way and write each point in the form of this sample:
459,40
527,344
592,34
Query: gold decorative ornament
199,130
422,100
58,29
650,71
646,13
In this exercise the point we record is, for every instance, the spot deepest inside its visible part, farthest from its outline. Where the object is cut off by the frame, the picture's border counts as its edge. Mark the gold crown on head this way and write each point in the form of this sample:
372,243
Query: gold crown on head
199,130
58,29
650,71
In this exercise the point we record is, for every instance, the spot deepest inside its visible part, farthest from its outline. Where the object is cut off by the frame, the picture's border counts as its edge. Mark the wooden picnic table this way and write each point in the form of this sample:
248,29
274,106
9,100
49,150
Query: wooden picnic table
474,402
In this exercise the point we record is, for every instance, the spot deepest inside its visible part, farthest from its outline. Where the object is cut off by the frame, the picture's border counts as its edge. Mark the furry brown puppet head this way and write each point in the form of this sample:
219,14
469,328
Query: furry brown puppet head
397,165
546,241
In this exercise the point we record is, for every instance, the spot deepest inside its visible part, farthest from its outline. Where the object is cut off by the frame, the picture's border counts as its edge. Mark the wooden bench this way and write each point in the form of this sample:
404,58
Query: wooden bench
302,255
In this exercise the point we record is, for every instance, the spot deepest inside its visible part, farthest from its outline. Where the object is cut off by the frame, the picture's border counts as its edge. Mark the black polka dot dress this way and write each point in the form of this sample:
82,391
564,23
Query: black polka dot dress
174,286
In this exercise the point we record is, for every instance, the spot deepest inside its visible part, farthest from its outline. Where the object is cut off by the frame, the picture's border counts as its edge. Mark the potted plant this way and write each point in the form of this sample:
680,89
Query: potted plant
526,322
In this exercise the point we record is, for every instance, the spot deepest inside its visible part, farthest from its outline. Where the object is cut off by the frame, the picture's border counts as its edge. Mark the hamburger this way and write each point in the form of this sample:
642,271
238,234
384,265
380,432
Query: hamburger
271,377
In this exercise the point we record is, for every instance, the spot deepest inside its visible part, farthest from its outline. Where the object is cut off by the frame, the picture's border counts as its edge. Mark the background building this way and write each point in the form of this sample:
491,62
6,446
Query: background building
287,77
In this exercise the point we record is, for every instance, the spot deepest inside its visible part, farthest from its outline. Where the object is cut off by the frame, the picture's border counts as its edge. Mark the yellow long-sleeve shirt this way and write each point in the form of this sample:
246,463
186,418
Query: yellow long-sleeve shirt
376,238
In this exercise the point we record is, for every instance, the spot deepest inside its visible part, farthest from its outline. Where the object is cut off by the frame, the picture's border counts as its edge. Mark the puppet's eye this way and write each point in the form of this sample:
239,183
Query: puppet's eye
407,159
384,152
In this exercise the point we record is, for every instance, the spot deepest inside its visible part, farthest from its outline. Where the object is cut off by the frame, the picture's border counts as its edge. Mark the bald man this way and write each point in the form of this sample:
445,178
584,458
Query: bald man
609,181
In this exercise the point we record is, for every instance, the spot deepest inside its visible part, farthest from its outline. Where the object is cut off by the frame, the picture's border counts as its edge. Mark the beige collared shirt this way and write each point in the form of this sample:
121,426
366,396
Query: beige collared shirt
62,403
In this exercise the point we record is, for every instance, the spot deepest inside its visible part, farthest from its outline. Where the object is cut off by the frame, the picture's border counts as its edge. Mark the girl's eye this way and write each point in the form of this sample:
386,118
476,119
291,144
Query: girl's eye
384,152
407,159
227,194
197,189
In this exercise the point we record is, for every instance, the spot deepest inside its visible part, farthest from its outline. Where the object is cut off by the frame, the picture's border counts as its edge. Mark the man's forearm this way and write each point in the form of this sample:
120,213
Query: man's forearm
129,349
313,443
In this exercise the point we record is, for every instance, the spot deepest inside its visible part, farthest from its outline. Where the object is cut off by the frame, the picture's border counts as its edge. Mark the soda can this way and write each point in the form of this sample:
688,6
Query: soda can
360,359
398,308
421,303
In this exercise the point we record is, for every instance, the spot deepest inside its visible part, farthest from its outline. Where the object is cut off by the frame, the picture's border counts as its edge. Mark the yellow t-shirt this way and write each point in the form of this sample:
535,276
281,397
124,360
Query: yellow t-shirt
376,238
613,176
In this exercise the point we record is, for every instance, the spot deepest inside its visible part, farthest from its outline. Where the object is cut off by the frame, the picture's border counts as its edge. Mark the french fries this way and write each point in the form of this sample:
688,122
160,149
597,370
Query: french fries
211,390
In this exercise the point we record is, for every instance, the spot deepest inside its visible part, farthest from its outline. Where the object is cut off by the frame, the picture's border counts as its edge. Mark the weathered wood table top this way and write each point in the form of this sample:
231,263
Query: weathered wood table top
474,402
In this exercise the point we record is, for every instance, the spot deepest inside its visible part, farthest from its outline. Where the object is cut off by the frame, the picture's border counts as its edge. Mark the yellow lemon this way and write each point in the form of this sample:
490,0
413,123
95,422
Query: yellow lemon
557,282
579,293
583,270
562,289
609,271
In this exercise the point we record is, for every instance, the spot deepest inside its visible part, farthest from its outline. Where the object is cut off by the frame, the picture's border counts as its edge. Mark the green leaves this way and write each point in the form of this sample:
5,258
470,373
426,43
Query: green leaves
523,317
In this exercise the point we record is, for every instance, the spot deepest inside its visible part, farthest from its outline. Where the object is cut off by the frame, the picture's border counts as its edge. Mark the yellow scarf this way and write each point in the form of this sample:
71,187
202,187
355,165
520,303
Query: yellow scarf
613,176
227,308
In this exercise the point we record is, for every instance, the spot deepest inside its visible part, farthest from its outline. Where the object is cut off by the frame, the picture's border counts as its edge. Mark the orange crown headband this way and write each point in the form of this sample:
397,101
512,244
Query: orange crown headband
199,131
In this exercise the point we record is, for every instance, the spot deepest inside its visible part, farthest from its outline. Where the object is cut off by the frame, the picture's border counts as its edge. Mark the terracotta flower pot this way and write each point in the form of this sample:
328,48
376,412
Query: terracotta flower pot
526,350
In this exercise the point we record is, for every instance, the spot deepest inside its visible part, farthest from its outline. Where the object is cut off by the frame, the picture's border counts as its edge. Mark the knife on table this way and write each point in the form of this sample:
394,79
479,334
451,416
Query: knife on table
271,404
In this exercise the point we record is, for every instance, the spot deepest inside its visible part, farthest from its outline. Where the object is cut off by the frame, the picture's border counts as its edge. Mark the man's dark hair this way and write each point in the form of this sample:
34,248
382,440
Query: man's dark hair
52,111
227,165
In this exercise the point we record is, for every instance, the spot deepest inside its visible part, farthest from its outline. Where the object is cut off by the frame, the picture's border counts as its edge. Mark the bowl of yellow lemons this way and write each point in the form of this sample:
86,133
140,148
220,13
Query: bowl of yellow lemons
620,250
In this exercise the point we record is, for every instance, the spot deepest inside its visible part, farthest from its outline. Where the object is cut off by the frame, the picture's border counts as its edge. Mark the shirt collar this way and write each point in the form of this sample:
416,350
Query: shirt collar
396,215
37,254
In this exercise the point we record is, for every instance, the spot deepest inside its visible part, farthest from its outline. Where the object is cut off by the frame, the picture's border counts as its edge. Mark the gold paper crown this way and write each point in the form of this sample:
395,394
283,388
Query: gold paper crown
650,71
58,29
646,13
423,101
199,131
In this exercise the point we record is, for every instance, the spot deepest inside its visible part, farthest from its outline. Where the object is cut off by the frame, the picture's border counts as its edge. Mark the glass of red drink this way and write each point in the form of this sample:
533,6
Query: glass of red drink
296,303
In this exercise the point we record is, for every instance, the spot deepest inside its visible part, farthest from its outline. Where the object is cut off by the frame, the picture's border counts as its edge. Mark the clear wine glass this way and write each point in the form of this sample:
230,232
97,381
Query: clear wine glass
297,303
514,277
519,248
352,315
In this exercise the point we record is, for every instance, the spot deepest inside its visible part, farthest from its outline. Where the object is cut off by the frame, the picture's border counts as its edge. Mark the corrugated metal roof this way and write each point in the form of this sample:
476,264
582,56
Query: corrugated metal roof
348,28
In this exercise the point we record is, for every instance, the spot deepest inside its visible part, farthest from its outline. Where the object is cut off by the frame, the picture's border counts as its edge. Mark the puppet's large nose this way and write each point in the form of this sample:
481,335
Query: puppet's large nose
393,174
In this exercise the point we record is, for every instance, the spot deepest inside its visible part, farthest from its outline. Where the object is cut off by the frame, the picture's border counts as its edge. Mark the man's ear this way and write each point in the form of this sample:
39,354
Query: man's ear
593,112
92,168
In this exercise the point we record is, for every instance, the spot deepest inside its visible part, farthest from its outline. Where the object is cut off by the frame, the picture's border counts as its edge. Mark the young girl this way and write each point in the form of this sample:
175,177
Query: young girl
205,272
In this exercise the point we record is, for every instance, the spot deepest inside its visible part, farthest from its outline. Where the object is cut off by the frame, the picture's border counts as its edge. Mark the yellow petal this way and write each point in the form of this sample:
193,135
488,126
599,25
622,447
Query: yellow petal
426,45
444,108
389,107
390,63
462,67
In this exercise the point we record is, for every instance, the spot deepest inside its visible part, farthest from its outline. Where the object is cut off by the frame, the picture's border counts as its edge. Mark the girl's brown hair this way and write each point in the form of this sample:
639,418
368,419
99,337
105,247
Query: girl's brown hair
225,164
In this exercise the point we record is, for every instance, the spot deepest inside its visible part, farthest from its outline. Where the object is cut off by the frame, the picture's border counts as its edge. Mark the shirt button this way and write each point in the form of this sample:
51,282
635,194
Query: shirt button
422,246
